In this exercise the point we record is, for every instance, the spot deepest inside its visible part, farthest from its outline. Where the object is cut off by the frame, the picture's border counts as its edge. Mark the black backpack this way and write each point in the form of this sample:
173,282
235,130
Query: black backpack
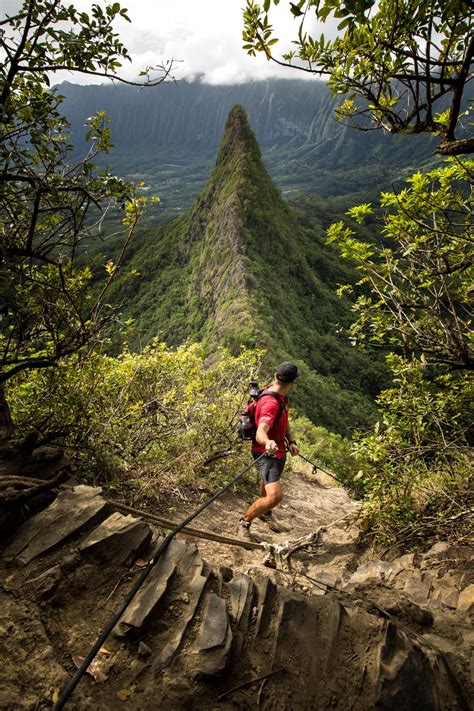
247,429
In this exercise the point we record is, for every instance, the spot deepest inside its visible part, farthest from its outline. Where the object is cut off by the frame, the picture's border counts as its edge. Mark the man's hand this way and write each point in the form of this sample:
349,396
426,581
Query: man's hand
271,446
294,449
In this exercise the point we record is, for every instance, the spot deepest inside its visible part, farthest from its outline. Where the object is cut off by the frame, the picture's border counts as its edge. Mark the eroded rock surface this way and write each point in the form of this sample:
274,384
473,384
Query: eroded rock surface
198,637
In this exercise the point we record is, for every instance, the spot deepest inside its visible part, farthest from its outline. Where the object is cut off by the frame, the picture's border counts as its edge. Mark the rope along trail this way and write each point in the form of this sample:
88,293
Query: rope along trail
73,682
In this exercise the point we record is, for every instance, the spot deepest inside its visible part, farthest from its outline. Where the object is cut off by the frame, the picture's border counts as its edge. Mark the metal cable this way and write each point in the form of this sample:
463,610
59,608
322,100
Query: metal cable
318,466
73,682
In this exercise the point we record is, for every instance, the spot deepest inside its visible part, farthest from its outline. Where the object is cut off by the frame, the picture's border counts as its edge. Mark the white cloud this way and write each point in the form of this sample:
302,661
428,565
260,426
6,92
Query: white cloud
205,36
205,39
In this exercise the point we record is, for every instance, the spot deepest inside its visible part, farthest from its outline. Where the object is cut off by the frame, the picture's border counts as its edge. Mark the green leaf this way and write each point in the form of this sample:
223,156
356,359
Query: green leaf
295,10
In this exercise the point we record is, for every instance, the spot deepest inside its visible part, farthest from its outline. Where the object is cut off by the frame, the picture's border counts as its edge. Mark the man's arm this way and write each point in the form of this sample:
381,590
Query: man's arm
263,438
292,446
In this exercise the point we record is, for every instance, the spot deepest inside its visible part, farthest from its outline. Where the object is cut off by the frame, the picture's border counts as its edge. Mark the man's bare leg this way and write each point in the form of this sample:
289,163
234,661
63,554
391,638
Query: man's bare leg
272,496
262,495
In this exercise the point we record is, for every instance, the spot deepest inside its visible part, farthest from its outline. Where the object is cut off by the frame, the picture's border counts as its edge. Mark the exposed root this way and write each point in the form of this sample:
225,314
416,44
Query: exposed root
281,553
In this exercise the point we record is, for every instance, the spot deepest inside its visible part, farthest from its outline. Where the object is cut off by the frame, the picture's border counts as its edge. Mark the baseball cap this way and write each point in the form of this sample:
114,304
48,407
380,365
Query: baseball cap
287,372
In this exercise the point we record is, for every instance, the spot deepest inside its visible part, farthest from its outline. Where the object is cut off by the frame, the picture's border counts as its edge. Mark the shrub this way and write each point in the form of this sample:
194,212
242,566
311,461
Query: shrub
139,418
417,463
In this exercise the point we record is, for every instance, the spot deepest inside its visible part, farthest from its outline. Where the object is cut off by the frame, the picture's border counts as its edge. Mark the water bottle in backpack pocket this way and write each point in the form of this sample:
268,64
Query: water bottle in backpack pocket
247,429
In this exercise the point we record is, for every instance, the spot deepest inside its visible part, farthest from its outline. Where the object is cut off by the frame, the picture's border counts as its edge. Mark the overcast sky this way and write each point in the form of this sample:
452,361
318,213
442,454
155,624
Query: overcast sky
205,35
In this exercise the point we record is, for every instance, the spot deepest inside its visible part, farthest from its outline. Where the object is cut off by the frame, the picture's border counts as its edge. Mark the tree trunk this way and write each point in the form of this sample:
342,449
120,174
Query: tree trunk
7,429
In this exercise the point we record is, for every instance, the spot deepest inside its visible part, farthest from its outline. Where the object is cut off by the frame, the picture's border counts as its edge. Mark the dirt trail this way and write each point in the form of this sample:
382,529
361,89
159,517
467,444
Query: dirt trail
306,507
383,634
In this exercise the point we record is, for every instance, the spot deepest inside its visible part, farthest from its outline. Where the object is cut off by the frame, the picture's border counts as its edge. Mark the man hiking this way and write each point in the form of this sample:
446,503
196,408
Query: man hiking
271,419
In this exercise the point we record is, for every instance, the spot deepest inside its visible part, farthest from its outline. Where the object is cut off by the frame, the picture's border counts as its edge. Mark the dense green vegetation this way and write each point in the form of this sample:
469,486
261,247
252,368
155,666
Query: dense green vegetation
417,462
51,203
417,278
196,279
250,278
158,419
243,268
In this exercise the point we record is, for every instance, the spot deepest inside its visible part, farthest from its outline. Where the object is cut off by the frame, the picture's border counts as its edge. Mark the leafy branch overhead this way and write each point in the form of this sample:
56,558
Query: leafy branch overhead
48,36
53,202
401,65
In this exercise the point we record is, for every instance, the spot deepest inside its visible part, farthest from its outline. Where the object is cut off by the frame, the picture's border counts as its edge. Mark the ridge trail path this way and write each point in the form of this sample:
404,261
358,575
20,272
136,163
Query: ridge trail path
310,503
213,628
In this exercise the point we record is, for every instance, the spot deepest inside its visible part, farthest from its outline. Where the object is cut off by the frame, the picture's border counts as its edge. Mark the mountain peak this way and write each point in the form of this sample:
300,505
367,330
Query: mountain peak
238,139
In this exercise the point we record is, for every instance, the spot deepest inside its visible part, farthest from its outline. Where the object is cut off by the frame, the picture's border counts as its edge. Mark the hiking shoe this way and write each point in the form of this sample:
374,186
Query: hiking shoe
243,530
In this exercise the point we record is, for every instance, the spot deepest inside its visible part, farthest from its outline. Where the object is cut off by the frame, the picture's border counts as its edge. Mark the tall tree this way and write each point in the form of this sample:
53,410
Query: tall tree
52,203
403,64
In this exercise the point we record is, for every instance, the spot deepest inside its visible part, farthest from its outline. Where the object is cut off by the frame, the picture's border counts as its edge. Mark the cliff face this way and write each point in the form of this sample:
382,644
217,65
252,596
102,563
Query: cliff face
168,137
240,269
190,115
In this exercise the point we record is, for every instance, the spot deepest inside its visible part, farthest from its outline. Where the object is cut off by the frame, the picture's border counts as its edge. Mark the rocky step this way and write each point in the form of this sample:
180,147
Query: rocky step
72,512
197,638
420,580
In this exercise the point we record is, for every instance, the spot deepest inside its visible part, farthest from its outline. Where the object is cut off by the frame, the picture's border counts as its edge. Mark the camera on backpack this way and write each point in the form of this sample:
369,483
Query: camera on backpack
253,390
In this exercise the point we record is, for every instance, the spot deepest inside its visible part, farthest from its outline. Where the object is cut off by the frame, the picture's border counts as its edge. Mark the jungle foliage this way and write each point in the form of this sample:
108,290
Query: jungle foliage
51,202
420,274
244,269
158,418
58,292
419,278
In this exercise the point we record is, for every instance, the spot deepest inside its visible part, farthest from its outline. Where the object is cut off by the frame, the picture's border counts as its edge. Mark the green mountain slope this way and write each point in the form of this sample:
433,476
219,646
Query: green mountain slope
243,268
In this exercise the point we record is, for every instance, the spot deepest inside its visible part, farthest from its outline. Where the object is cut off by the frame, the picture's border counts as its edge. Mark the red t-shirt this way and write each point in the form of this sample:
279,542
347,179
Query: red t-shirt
267,410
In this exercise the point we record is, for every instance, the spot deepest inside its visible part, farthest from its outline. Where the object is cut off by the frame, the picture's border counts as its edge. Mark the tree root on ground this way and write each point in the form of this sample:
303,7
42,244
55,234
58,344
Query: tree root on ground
18,488
282,552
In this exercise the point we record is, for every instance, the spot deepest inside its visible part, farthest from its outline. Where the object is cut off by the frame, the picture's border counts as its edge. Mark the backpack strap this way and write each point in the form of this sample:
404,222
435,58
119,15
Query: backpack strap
271,393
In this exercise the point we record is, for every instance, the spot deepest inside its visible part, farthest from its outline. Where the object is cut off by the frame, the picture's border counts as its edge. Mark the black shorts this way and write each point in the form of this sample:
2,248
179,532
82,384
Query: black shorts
270,468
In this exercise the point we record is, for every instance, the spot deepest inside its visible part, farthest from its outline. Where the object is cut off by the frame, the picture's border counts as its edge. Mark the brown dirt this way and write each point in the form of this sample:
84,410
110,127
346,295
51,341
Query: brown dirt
53,609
